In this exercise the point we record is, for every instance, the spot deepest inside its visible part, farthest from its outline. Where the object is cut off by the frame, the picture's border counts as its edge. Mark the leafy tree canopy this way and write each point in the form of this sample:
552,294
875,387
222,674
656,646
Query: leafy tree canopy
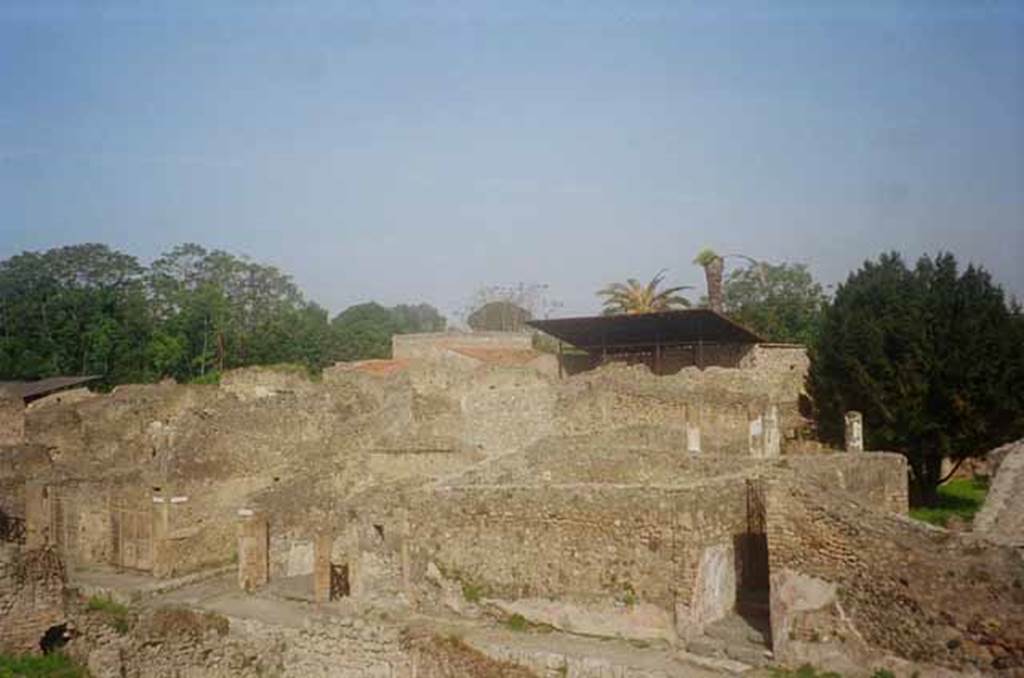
88,309
932,357
364,331
780,302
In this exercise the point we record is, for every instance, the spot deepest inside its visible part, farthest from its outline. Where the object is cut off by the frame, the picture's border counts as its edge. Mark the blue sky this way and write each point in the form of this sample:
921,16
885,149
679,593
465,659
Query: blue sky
409,152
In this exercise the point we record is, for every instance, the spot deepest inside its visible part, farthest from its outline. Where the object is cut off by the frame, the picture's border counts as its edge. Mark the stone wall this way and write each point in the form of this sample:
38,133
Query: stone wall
877,479
174,642
31,597
852,585
599,559
12,419
434,346
1002,517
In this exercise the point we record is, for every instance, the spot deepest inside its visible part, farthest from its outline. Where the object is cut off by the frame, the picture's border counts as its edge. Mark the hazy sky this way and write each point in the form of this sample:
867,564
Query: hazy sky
414,152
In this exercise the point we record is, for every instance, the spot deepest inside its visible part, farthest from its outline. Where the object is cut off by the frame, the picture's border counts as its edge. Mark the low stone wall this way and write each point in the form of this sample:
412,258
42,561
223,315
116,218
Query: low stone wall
432,346
876,479
852,585
31,597
177,642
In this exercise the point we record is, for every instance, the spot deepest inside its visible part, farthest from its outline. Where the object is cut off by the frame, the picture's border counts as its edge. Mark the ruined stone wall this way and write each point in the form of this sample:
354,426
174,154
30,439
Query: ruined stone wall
433,346
850,583
31,597
173,642
1002,517
584,551
12,419
877,479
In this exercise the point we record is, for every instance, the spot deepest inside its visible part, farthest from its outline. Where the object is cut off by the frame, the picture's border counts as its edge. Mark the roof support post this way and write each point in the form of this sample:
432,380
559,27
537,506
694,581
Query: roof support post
657,354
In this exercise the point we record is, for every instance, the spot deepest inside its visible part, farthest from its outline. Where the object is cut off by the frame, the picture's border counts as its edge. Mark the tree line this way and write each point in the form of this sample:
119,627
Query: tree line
91,310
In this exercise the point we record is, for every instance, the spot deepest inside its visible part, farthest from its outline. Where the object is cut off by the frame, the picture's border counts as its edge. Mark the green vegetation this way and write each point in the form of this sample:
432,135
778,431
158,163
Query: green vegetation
780,302
632,297
118,616
805,671
472,592
932,357
960,497
53,665
192,314
517,622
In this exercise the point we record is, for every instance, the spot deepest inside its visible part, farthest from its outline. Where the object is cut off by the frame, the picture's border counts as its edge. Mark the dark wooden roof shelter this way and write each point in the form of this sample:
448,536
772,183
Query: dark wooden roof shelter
31,390
646,337
617,334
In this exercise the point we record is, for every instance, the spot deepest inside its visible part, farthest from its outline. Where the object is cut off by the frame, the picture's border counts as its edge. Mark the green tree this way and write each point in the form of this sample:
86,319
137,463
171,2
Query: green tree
416,318
73,310
632,297
364,331
931,357
780,302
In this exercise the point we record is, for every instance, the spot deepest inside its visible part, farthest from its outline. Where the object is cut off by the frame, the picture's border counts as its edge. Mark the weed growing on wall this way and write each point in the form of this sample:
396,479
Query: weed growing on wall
117,615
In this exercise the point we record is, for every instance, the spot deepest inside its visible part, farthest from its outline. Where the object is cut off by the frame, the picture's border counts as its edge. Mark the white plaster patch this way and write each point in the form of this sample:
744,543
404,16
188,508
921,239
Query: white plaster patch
300,559
715,588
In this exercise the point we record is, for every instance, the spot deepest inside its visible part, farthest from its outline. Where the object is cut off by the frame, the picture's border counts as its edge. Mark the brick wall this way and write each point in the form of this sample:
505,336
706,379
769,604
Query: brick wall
31,597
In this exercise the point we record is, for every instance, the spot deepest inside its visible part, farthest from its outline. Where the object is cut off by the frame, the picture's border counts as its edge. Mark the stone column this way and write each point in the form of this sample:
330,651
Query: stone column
354,553
253,550
322,568
37,515
854,432
772,439
161,556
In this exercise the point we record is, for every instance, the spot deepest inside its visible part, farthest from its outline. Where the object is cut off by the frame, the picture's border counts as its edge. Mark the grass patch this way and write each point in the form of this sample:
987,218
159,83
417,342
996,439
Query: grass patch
54,665
517,622
211,378
960,497
472,592
117,615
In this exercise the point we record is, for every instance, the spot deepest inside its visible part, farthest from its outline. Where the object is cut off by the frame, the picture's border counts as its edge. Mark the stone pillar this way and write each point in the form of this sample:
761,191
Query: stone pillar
253,550
854,432
37,516
322,568
161,556
354,553
772,439
756,437
692,438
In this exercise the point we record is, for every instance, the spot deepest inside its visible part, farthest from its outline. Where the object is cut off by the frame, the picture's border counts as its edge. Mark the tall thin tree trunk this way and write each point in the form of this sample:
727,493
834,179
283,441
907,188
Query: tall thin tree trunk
713,275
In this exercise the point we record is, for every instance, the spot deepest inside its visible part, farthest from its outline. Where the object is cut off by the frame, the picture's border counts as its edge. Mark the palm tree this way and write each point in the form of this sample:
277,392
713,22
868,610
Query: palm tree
713,265
632,298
